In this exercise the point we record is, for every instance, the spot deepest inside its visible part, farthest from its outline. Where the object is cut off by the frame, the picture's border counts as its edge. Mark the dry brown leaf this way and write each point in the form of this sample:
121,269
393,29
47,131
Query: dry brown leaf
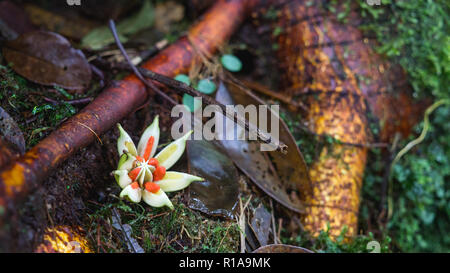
48,58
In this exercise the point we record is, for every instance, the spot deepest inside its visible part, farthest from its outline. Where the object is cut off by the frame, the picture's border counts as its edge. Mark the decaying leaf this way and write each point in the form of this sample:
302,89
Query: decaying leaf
11,132
13,21
280,248
260,224
102,36
291,167
132,244
218,194
48,58
256,164
74,27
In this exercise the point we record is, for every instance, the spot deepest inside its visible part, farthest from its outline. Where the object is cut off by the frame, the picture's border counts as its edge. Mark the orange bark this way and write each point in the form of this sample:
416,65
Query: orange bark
63,239
334,67
118,101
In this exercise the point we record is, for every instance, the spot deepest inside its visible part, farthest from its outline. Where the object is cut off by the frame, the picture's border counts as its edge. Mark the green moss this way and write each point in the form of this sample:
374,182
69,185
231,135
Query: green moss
25,103
324,244
162,230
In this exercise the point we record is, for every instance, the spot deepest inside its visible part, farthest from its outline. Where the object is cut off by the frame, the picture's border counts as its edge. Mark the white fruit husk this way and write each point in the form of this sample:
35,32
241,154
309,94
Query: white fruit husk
122,178
175,181
134,195
170,154
125,143
152,130
157,200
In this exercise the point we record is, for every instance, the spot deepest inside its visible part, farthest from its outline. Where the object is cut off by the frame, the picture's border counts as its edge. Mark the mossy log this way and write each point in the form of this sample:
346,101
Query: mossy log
334,69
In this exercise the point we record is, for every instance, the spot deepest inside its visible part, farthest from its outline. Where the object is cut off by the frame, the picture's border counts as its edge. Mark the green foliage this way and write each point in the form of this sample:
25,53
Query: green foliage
324,244
421,212
102,36
206,86
415,34
183,78
25,102
231,62
162,230
54,113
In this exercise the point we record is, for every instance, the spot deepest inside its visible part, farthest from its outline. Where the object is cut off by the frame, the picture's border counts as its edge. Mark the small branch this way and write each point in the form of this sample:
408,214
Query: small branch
72,102
149,84
181,88
409,146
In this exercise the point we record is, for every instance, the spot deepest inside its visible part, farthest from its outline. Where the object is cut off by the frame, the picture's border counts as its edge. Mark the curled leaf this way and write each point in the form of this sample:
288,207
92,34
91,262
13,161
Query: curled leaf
127,232
260,225
47,58
285,178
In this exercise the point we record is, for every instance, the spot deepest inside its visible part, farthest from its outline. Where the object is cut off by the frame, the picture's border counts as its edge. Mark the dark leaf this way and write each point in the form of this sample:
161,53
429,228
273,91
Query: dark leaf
102,36
291,167
47,58
280,248
251,241
13,20
281,181
218,194
126,230
62,21
260,224
11,132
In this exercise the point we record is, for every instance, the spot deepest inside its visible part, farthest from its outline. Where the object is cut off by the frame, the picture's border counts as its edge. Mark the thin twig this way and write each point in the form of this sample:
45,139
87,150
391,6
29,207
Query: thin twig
409,146
149,84
90,129
241,222
182,88
71,102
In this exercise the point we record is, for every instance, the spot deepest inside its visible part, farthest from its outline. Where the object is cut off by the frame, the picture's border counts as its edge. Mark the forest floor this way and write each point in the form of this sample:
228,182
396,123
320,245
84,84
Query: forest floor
82,192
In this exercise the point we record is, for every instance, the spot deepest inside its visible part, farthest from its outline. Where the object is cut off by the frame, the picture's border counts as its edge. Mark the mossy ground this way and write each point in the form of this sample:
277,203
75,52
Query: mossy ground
82,192
162,230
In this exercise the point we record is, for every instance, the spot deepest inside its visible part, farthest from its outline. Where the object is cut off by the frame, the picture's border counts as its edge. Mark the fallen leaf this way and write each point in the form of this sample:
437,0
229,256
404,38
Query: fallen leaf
260,224
11,132
291,167
48,58
256,164
218,194
280,248
126,230
13,21
102,36
73,26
